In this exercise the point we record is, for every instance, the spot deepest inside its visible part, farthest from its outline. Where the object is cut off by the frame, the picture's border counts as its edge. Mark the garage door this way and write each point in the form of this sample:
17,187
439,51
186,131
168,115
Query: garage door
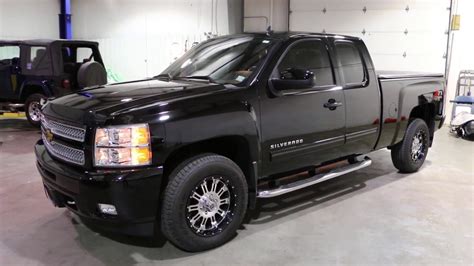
401,35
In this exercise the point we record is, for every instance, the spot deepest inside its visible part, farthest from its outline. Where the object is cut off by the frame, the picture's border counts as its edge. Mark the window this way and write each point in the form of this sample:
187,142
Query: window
309,55
227,60
38,59
84,54
350,62
7,53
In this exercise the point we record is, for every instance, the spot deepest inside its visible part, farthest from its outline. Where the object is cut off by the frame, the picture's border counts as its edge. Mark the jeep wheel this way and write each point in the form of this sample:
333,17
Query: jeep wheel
204,202
410,154
33,108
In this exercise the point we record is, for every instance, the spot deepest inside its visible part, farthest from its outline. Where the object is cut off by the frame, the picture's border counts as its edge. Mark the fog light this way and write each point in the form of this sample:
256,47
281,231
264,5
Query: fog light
107,209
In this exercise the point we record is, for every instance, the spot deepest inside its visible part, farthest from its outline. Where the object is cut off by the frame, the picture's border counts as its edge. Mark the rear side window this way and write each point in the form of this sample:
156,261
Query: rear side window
36,60
309,55
350,62
84,54
37,56
77,55
74,56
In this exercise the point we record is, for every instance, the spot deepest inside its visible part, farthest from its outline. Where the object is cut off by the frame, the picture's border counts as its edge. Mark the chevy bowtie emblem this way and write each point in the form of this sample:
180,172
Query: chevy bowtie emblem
49,135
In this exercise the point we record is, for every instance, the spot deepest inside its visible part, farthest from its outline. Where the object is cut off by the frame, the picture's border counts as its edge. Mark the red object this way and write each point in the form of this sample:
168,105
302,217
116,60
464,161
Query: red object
390,120
66,84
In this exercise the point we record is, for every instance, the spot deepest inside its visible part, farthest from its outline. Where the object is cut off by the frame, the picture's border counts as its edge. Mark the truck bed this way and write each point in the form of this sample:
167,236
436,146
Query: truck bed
400,91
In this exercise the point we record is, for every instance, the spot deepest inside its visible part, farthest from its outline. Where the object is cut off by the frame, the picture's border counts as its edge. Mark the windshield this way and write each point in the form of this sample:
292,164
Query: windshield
226,60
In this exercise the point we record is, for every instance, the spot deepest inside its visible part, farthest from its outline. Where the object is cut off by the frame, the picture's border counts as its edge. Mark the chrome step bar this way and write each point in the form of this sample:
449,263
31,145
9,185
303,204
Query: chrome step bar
314,179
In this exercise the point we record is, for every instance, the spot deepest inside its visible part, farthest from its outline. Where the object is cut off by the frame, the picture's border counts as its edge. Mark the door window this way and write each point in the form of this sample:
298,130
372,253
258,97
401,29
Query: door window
350,62
7,53
309,55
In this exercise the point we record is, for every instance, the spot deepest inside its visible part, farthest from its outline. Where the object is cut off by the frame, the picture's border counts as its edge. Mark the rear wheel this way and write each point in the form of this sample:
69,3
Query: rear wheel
410,154
204,202
33,108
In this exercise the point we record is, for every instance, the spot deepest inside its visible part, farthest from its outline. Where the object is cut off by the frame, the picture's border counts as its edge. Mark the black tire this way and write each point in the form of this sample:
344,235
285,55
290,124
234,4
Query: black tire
31,108
404,158
185,180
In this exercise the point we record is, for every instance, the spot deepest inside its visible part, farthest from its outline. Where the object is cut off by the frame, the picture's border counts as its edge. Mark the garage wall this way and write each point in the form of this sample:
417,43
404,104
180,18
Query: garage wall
258,15
26,19
400,34
141,38
462,57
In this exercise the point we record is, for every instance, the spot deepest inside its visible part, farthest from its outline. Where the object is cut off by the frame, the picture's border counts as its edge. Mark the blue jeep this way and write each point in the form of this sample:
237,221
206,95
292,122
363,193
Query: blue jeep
36,69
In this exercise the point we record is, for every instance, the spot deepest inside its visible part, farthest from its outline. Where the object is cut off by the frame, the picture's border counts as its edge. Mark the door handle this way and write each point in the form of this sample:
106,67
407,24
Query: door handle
332,104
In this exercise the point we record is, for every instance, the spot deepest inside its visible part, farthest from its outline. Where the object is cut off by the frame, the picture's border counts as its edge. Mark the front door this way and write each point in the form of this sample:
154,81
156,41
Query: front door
302,127
9,68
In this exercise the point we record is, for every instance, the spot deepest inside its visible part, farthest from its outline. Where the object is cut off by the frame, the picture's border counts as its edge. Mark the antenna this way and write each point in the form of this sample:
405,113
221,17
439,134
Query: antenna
269,30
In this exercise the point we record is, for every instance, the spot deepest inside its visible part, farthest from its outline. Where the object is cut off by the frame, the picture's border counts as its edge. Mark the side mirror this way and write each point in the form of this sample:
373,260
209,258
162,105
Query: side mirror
294,79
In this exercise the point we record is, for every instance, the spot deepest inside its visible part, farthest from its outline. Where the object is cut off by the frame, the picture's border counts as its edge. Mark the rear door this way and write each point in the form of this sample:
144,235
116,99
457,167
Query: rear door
362,96
299,128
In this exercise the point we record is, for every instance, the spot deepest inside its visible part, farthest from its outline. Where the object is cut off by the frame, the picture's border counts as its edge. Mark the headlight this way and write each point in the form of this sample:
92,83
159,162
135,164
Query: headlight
122,146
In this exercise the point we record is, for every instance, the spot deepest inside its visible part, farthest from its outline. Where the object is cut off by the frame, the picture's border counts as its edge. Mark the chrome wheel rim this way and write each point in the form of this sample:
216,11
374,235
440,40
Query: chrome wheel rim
34,111
210,206
418,146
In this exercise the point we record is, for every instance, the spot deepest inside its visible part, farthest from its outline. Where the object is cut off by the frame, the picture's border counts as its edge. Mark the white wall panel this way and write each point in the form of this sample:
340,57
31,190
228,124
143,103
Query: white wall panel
26,19
259,14
140,38
390,28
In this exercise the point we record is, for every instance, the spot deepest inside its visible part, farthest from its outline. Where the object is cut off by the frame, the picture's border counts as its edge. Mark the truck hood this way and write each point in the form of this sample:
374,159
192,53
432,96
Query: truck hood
103,101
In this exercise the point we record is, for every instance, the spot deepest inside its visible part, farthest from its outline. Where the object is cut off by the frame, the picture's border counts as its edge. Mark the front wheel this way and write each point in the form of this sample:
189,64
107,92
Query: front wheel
204,202
33,108
410,154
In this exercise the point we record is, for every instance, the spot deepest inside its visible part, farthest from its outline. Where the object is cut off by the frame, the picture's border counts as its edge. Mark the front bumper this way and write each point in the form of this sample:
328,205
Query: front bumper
135,193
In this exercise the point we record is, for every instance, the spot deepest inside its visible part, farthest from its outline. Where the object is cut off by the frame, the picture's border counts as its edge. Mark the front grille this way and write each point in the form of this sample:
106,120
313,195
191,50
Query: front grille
64,152
63,130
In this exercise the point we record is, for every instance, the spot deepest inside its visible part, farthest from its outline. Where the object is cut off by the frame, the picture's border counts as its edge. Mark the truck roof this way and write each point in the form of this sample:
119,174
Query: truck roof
46,42
299,34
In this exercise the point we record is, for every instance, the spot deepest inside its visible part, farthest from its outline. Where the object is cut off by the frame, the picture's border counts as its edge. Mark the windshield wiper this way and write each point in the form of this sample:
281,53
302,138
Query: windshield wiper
166,76
208,78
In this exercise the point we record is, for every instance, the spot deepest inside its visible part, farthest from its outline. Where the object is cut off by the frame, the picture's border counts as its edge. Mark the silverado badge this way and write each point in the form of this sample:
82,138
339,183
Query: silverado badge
286,144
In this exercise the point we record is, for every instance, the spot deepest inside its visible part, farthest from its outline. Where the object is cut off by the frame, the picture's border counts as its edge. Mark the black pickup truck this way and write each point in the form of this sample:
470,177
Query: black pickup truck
189,151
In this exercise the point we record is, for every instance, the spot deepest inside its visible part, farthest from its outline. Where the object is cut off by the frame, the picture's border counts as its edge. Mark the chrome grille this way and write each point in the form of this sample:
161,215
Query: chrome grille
64,152
63,130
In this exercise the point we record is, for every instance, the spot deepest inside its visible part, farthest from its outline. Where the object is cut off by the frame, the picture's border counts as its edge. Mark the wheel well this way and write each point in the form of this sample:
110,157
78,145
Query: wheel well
235,148
426,112
30,89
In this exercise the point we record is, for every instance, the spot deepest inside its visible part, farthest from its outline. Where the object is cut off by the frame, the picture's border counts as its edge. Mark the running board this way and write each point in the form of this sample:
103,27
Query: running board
314,180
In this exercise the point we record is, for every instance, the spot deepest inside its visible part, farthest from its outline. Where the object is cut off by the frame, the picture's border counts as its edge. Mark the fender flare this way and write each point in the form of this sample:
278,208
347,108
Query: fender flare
233,120
410,99
43,84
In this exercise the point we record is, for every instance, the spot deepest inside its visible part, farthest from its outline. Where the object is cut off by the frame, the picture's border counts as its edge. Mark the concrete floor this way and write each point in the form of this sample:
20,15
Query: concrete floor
373,216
